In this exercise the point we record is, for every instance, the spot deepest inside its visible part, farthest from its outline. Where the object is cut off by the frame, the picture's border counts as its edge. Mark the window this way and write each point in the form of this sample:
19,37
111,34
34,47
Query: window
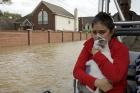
40,17
43,17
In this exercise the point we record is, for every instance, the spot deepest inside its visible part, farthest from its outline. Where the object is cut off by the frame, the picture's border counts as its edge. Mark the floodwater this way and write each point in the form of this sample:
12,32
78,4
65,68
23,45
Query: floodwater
35,69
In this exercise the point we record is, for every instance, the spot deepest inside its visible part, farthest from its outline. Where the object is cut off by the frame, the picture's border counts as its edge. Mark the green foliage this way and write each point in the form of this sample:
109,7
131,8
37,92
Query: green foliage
1,13
86,30
8,15
7,1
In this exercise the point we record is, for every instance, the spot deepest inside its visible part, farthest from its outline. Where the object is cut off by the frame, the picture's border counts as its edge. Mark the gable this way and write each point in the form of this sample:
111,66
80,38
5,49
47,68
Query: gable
26,22
55,9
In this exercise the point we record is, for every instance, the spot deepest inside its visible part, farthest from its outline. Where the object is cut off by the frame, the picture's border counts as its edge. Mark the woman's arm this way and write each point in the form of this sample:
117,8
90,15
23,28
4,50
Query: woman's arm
118,70
80,67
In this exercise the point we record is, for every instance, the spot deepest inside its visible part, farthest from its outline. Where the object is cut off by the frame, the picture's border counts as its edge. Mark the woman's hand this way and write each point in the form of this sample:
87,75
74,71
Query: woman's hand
103,84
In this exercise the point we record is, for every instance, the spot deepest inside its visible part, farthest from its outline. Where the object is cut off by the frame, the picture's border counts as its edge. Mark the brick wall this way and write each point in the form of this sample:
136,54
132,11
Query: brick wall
83,36
55,37
14,38
67,36
77,36
39,38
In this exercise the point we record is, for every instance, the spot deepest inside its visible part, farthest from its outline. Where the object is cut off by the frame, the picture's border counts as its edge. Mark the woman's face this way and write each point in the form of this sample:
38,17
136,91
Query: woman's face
102,30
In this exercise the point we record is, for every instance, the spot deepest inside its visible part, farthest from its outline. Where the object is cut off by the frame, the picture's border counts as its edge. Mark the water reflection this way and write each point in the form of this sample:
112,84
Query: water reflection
35,69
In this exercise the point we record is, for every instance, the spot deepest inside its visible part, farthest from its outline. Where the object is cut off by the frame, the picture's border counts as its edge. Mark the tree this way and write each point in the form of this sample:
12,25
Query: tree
1,13
5,2
7,15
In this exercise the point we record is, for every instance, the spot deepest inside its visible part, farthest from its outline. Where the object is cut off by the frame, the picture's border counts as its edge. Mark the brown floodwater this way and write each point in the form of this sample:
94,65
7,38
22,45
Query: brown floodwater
35,69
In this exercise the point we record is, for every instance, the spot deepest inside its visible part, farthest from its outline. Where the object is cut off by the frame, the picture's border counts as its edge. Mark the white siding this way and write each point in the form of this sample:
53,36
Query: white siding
64,23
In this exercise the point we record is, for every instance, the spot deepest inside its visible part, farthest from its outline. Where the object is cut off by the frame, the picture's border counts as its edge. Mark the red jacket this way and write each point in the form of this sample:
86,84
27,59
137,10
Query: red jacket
116,72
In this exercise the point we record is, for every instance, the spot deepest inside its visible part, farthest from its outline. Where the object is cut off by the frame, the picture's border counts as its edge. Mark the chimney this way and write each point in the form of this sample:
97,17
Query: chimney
75,19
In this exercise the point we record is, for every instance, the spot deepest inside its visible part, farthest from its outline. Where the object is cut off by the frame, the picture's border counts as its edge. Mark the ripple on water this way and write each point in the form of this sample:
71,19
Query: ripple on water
35,69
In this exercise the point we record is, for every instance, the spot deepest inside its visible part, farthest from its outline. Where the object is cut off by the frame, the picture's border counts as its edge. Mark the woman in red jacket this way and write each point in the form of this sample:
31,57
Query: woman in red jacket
116,72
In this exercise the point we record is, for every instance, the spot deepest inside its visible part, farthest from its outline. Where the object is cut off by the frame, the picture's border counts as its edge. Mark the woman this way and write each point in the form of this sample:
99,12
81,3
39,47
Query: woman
116,72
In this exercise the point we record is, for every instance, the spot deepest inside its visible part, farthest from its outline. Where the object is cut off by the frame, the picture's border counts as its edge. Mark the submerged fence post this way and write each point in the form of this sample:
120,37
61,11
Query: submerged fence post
29,36
80,35
86,35
48,36
62,37
72,36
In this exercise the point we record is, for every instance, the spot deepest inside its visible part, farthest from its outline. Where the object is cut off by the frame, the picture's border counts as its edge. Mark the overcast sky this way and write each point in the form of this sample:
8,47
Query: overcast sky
85,7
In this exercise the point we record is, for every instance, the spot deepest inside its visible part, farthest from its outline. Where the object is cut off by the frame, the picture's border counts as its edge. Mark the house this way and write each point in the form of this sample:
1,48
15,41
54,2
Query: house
47,16
85,23
6,24
24,23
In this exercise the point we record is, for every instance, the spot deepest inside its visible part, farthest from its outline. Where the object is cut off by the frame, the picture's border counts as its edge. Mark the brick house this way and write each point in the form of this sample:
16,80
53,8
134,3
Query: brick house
47,16
85,23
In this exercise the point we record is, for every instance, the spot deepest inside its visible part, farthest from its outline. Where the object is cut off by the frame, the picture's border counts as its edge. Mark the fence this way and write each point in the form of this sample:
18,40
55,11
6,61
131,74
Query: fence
15,38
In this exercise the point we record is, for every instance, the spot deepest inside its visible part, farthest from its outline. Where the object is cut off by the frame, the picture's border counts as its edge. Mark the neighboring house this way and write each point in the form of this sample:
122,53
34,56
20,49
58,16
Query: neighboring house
85,24
7,24
47,16
24,23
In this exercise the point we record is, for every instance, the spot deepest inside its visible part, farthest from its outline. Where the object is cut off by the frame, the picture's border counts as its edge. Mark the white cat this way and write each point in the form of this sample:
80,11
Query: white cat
93,69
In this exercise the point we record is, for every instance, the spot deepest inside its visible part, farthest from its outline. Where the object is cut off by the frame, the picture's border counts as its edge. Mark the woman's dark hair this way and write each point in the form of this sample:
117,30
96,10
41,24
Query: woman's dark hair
104,19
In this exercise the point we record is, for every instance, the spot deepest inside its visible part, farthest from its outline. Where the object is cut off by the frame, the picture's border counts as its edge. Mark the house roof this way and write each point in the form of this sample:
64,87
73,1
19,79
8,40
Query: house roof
86,20
54,8
29,17
26,22
57,9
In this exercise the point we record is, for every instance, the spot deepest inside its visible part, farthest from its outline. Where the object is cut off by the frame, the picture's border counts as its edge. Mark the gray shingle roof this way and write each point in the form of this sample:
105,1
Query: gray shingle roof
54,8
29,17
58,10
